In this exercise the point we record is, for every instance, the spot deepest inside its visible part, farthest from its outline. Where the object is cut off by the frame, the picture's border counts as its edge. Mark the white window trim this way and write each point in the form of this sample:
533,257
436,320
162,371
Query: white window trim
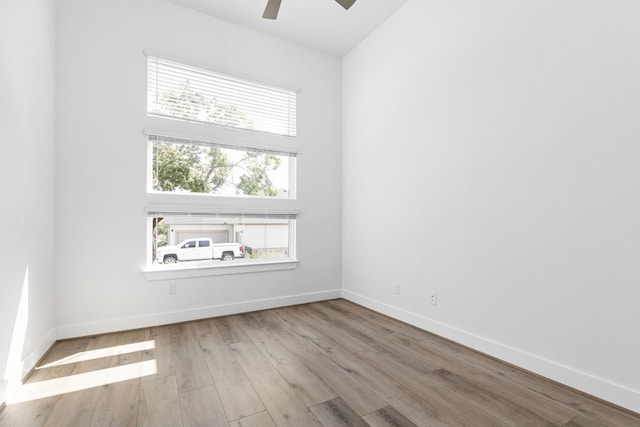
183,271
213,204
195,268
284,151
268,87
204,204
245,138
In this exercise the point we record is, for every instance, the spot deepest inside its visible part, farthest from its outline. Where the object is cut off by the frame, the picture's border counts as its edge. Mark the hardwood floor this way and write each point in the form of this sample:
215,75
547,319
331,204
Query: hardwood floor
324,364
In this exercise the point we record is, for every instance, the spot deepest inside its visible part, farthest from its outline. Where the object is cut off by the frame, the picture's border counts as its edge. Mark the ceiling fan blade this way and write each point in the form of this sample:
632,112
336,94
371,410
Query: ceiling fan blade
346,3
271,11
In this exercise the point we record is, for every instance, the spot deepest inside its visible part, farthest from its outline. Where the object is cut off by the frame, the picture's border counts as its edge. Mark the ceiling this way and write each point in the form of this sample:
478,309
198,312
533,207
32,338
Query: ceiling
319,24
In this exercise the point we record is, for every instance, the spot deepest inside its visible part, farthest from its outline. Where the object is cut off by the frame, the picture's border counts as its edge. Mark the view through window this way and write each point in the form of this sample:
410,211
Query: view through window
211,171
214,239
196,167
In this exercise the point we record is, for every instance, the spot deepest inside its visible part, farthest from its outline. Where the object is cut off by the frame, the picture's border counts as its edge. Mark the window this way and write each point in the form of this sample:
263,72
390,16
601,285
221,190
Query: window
184,92
221,171
244,236
184,166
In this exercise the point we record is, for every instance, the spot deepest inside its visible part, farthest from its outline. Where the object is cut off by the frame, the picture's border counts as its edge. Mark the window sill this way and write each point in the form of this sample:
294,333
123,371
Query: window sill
204,269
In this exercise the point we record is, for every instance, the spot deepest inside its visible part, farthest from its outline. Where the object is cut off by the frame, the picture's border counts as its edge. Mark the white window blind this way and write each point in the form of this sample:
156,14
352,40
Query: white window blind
190,93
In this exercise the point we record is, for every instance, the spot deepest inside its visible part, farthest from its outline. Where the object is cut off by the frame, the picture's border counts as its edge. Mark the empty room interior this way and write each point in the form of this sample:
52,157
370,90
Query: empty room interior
410,212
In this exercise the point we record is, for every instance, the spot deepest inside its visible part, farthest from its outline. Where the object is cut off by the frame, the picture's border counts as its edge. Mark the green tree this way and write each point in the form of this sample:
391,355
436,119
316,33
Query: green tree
185,103
188,167
256,181
206,169
228,115
172,166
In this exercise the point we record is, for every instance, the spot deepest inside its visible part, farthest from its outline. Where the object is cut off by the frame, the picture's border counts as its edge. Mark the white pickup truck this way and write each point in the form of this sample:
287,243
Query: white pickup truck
199,249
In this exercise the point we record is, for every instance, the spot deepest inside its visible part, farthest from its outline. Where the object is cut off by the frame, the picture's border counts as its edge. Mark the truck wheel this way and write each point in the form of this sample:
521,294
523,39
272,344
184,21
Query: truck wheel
227,256
170,260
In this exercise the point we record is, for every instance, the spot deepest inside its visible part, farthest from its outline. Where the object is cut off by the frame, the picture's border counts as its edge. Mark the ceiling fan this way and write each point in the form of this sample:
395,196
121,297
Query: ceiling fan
273,6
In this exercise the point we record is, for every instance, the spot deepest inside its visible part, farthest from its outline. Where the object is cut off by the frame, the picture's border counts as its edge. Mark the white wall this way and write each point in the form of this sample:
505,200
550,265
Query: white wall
494,146
26,186
101,165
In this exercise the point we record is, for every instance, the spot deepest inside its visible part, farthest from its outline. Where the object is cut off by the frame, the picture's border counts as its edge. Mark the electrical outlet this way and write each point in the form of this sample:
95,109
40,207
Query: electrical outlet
396,288
433,298
172,289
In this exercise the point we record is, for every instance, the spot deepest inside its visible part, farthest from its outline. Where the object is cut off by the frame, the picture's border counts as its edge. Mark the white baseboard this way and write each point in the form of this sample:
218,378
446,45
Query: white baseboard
34,356
583,381
27,364
155,319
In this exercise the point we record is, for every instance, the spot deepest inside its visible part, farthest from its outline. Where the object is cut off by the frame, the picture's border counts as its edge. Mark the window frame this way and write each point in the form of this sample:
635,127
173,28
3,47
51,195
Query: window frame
251,79
288,151
197,203
193,269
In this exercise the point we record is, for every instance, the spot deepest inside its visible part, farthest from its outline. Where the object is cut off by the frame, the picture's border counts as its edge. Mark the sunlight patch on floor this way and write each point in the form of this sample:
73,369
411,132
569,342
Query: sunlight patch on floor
71,383
84,356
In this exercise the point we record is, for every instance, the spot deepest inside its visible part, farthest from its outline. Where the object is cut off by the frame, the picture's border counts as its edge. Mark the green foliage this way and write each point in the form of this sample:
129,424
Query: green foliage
173,166
206,169
188,167
256,181
186,103
228,115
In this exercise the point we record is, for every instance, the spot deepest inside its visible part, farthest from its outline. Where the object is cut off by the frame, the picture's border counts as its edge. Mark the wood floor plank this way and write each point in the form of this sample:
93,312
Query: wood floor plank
446,402
93,362
118,402
387,417
405,374
117,405
409,404
503,409
248,321
554,400
74,409
202,407
397,355
78,407
328,363
398,344
31,413
287,316
380,319
357,323
282,403
359,397
191,370
159,403
321,326
201,327
60,361
237,394
231,330
311,389
261,419
337,413
161,353
461,362
126,347
335,322
582,421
